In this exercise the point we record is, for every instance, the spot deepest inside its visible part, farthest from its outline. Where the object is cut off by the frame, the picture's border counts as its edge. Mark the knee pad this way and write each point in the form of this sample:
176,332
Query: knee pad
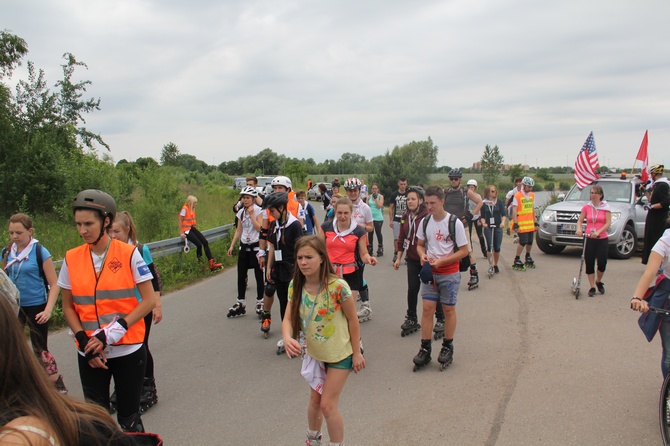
270,289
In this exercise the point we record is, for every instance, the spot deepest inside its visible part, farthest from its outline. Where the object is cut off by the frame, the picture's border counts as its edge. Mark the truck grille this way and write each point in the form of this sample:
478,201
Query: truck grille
567,217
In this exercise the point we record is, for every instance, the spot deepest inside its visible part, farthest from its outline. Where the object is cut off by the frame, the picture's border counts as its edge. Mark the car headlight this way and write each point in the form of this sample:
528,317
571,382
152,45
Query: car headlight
549,216
615,216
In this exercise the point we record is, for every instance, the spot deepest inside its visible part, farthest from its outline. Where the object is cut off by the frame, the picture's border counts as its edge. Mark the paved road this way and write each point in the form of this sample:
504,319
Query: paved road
532,366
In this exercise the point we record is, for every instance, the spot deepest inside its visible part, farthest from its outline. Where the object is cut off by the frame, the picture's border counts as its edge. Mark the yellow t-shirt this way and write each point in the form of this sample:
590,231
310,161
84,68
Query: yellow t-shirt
327,333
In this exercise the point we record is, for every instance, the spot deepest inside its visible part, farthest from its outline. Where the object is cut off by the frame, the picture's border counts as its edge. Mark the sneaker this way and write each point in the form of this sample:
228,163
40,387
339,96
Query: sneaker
601,287
496,270
592,292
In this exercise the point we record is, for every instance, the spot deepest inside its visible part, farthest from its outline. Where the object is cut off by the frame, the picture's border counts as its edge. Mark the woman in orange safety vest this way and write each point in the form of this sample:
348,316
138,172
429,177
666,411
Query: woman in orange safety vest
98,281
190,233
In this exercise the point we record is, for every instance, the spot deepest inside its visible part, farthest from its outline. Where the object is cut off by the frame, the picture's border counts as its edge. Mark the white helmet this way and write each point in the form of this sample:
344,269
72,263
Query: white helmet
352,183
472,183
249,190
528,181
281,181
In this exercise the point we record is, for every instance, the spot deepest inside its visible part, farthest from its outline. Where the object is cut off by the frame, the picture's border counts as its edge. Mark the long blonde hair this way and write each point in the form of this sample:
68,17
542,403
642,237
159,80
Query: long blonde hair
190,201
126,220
25,390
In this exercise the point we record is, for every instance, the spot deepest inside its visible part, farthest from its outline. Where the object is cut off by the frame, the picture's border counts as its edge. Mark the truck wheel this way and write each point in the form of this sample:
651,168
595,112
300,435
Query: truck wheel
625,247
548,247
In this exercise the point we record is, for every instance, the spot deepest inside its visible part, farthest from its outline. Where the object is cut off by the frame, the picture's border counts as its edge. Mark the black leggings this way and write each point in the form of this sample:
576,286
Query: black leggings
148,319
38,332
413,286
480,236
378,230
128,372
596,249
194,236
245,261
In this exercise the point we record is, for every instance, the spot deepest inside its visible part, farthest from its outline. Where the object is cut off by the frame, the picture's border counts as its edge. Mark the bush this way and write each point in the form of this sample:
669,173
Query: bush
564,186
538,187
549,186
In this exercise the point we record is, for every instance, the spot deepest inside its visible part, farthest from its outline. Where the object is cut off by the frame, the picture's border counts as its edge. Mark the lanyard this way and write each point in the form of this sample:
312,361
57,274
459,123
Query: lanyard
311,312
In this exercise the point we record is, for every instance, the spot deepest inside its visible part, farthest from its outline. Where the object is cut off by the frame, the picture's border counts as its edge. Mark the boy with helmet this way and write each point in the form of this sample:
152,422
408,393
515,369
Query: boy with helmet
658,194
284,230
363,216
455,202
279,183
248,233
525,223
98,281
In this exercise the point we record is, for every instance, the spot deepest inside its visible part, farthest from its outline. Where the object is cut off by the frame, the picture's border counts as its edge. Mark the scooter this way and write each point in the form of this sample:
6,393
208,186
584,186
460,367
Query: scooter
577,281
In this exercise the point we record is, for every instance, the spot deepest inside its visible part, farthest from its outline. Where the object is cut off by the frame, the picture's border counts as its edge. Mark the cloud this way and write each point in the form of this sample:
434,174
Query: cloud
316,79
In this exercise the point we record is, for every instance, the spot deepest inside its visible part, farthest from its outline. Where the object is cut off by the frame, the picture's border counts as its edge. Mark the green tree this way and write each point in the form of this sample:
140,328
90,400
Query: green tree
12,50
414,161
544,174
514,172
492,162
169,154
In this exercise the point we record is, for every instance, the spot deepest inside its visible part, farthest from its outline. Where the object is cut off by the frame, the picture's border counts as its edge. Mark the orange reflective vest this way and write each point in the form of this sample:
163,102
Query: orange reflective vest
98,298
524,211
188,220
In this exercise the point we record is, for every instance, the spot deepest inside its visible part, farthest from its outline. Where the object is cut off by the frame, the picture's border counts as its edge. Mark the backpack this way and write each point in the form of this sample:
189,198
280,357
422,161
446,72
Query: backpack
38,255
465,261
154,271
464,192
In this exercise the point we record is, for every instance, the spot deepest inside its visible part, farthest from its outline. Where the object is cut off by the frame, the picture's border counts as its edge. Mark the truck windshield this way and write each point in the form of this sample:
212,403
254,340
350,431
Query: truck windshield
613,191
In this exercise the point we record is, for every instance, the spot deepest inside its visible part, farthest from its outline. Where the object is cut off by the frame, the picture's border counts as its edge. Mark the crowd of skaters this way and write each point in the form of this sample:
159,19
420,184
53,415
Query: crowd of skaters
281,240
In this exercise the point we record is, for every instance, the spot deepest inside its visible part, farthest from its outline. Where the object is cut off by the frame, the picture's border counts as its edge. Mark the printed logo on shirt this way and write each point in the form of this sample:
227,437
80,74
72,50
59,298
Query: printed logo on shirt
143,270
115,265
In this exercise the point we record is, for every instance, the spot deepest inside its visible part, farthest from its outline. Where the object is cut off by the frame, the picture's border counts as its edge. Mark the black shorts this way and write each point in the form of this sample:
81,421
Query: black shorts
526,238
354,279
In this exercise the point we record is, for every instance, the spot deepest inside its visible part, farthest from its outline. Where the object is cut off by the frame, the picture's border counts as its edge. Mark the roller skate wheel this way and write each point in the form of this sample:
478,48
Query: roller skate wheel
403,334
416,367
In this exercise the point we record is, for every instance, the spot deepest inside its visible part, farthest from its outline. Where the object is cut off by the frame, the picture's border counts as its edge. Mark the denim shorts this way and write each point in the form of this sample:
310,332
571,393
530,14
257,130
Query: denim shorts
346,364
443,289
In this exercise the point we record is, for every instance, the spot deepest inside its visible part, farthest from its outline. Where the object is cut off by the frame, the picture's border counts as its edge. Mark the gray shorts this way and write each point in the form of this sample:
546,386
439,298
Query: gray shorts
396,229
444,289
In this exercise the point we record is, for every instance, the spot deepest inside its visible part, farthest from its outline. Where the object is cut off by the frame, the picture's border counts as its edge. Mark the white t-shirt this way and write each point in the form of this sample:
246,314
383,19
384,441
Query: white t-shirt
362,213
249,234
439,243
141,274
662,247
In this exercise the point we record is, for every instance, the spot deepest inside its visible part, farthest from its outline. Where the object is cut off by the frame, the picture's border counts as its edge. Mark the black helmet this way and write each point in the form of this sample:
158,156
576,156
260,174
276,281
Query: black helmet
455,173
274,200
96,200
419,191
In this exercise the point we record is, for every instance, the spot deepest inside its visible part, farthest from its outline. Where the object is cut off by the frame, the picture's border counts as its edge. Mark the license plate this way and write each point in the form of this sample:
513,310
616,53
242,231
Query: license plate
569,227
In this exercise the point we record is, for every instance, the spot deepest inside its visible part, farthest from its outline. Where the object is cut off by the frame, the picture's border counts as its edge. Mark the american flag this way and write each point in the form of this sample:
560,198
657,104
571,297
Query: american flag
587,163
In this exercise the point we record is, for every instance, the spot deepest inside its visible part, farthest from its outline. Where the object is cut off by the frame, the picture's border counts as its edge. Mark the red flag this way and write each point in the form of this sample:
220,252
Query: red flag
643,156
587,163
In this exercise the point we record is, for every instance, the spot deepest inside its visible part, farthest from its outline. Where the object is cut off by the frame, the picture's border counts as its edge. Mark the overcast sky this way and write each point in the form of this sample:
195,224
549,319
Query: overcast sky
228,78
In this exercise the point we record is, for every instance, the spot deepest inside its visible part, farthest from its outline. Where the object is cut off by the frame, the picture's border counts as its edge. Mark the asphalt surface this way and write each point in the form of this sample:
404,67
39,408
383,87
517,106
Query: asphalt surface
532,366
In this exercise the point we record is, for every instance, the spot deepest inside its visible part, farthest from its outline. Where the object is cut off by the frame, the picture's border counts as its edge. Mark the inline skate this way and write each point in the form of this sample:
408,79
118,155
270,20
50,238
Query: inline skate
266,321
214,266
423,357
446,356
365,313
380,251
409,326
149,397
314,440
438,330
259,308
474,280
530,263
518,264
239,309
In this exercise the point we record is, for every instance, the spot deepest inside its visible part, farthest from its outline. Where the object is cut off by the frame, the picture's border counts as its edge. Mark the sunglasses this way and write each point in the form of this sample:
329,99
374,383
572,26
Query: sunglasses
454,179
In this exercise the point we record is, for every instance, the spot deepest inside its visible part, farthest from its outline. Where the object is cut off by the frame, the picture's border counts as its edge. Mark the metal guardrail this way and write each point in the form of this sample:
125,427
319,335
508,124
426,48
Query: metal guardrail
176,245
